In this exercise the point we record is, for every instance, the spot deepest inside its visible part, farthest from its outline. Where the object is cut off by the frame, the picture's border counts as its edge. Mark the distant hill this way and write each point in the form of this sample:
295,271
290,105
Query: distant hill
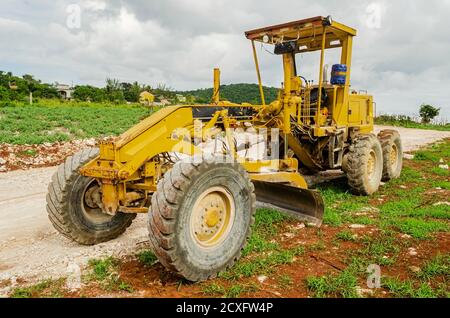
236,93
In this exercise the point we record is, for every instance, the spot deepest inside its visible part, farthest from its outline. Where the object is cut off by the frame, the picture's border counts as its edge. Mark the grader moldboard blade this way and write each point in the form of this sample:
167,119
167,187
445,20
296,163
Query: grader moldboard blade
302,204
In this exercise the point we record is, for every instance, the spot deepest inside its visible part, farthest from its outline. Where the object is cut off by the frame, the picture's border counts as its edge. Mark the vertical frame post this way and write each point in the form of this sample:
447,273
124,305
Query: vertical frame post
216,93
322,58
258,73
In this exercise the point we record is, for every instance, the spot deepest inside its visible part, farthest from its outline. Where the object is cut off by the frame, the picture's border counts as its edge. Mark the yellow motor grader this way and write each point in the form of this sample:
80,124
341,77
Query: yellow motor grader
201,200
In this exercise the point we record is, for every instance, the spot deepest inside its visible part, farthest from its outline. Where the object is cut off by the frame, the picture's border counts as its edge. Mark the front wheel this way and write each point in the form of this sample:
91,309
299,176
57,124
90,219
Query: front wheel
73,204
201,216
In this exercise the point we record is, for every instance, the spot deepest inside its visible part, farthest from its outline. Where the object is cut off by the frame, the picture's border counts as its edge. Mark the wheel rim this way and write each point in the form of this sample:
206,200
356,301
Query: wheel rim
212,217
371,164
393,157
90,204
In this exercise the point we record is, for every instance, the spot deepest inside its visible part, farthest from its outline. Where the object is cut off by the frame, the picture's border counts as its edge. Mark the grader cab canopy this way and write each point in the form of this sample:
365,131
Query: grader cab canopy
307,34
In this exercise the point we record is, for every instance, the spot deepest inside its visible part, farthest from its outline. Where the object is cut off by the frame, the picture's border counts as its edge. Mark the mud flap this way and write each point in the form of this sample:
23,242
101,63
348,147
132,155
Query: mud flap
302,204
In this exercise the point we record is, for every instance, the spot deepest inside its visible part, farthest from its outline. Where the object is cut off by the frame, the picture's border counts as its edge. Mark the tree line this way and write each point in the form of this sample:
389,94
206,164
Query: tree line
27,87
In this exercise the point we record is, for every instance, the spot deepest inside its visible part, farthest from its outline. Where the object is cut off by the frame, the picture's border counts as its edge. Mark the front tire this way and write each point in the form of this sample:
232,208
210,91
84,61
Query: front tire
74,214
364,165
201,217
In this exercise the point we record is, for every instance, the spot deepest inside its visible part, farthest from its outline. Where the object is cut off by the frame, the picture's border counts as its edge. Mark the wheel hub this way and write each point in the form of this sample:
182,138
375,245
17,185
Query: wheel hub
93,197
393,156
371,163
91,203
212,217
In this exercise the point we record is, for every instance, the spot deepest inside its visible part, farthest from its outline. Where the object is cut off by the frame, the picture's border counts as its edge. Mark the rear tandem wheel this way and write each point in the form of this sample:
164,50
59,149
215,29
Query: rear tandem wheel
364,165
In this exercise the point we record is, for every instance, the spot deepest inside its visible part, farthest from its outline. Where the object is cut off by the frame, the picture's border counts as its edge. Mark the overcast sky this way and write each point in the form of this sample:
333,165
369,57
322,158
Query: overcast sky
401,54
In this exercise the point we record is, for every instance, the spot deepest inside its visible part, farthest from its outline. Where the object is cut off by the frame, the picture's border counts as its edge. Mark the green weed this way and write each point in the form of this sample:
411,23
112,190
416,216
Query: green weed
439,265
261,264
105,272
341,285
48,289
409,289
346,236
214,289
147,258
418,228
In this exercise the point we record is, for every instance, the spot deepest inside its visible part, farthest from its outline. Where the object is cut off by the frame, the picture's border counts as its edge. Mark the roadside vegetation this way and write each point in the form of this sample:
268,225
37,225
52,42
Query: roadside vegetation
410,122
49,288
427,119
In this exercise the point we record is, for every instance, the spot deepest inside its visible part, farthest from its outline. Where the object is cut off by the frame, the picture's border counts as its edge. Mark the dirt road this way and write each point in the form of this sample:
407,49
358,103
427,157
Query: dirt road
30,248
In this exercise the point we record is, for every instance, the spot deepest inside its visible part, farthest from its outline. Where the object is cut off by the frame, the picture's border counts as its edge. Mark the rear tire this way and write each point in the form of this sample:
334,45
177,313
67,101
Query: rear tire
69,211
201,217
391,144
364,165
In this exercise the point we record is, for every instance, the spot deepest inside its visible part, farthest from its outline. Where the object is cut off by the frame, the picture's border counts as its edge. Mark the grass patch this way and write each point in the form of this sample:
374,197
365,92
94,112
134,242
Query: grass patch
426,156
346,236
105,272
418,228
382,250
267,222
261,264
258,243
102,268
400,207
441,184
286,281
410,289
147,258
213,289
408,122
363,220
438,266
434,153
339,202
46,289
440,172
342,285
234,291
434,211
44,122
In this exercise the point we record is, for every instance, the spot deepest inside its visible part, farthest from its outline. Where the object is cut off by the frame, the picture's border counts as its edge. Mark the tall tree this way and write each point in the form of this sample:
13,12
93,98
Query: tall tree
31,85
428,113
114,90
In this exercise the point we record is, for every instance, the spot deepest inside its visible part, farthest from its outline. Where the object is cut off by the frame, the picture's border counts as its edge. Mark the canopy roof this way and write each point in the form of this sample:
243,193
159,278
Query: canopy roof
307,33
